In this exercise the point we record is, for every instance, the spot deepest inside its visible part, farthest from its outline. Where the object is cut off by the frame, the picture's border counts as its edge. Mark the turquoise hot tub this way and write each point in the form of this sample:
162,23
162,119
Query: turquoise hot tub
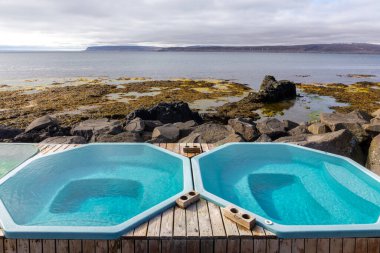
96,191
291,190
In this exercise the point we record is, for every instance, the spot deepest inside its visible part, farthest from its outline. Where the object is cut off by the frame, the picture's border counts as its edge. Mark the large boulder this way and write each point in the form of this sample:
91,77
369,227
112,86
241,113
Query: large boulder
318,128
301,129
165,133
341,142
208,133
352,121
185,128
64,140
272,90
289,125
8,132
121,137
230,138
263,138
167,113
41,123
94,127
245,127
271,127
373,127
135,125
373,160
376,114
150,125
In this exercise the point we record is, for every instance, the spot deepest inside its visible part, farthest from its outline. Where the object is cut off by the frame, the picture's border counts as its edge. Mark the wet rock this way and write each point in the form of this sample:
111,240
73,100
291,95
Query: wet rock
271,127
208,133
165,133
91,127
65,140
135,125
121,137
301,129
264,138
185,128
42,123
373,160
230,138
318,128
289,125
245,127
272,90
341,142
8,132
167,113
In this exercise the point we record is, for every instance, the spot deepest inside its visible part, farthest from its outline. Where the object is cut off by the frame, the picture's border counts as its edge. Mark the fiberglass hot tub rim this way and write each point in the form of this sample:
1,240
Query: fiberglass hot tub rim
291,231
13,230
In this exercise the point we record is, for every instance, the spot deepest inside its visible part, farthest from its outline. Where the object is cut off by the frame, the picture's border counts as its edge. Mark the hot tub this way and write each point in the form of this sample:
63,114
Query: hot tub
292,191
96,191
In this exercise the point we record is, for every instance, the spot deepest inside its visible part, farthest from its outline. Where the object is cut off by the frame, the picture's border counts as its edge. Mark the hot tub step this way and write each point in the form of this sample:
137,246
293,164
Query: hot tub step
187,199
238,216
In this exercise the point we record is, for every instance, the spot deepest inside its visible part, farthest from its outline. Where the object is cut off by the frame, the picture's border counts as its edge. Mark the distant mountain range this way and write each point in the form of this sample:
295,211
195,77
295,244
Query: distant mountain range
353,48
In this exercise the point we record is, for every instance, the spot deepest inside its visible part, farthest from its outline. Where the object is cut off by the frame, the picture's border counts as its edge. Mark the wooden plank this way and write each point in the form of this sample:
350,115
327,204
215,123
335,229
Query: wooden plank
204,147
220,245
269,234
141,246
167,246
205,229
127,246
179,223
323,245
114,246
166,230
310,245
361,245
259,245
75,246
349,245
207,246
192,227
285,245
258,232
336,245
374,245
101,246
298,245
153,234
216,221
22,246
62,246
273,245
1,244
232,232
10,245
141,243
246,244
35,246
179,245
88,246
49,246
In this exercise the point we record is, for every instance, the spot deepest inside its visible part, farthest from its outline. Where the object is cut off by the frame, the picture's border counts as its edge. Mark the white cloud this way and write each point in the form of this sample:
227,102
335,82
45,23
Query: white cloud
77,24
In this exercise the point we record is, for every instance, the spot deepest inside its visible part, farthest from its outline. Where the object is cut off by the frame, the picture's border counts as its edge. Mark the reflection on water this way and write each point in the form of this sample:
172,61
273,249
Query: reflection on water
306,107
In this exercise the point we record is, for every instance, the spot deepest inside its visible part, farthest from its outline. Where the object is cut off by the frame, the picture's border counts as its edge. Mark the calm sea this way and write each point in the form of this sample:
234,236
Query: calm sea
248,68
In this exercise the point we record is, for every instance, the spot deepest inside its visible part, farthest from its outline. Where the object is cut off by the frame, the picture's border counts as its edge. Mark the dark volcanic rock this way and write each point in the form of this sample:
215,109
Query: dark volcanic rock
245,127
341,142
121,137
272,90
271,127
166,133
373,161
94,127
42,123
8,132
208,133
65,140
167,113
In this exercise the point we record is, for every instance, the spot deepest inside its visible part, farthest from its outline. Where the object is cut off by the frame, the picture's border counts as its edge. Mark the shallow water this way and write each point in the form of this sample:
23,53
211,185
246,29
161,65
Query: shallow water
250,68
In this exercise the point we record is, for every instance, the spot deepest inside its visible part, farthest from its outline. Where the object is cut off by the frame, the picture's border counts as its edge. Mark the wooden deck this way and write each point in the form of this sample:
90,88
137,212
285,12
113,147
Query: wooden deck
199,228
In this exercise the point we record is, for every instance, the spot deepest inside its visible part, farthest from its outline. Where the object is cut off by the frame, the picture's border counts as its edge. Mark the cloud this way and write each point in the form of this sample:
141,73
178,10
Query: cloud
77,24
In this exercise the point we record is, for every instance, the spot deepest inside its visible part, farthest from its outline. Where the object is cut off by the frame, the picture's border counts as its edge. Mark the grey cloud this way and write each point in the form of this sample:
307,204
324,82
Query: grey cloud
182,22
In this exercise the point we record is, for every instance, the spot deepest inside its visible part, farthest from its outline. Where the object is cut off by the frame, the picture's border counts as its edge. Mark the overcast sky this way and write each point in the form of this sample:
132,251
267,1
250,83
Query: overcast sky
76,24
